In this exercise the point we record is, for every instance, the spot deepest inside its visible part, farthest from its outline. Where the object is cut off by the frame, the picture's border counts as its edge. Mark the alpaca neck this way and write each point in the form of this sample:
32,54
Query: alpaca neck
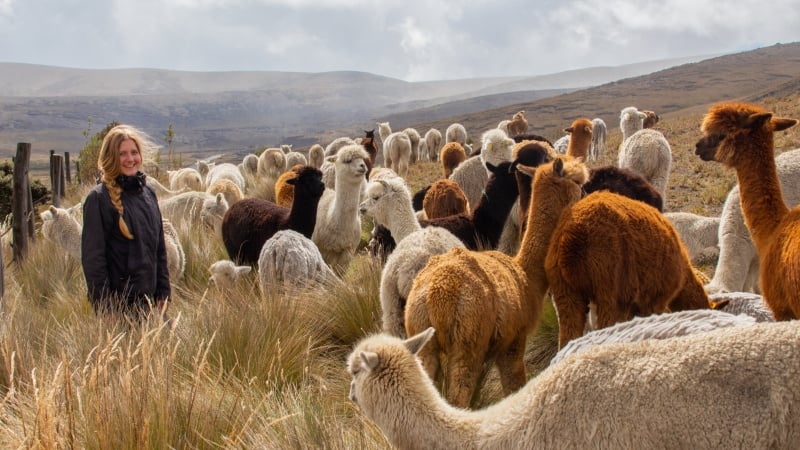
579,146
491,212
303,215
628,129
401,221
761,195
543,215
346,199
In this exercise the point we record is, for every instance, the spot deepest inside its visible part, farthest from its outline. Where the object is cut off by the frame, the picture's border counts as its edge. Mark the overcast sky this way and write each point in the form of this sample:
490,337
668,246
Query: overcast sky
413,40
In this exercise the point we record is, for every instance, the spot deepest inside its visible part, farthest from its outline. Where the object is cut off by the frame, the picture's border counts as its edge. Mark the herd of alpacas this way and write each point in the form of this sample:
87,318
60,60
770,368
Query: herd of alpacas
649,356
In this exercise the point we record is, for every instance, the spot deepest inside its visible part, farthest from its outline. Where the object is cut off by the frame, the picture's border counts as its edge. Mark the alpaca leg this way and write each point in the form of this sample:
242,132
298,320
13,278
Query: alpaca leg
512,367
462,374
571,313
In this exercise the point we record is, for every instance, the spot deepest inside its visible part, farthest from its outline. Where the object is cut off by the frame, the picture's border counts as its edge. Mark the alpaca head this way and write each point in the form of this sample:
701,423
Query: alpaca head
729,129
307,183
213,211
380,364
631,120
561,179
370,134
496,147
286,148
351,164
224,274
651,119
383,196
519,115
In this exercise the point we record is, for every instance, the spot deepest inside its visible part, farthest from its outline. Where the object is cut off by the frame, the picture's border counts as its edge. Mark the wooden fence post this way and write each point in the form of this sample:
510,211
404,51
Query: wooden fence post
67,168
56,174
21,201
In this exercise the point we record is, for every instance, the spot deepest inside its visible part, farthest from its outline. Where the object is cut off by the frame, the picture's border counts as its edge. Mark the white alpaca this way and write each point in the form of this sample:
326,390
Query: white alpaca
229,189
203,167
433,140
295,158
225,274
730,388
271,164
414,138
328,170
397,152
737,267
648,153
334,147
742,303
338,229
226,171
388,202
457,133
631,120
472,174
182,179
316,155
249,170
286,148
503,125
161,190
698,233
195,207
657,326
176,258
289,260
61,227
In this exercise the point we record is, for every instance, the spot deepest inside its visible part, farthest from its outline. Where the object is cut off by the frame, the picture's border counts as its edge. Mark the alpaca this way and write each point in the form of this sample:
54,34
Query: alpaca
369,144
423,153
740,136
225,274
472,174
194,207
286,148
295,159
503,125
651,119
251,221
186,178
602,254
397,152
162,191
227,188
637,395
414,138
623,182
657,326
738,267
444,198
225,171
485,304
333,148
518,124
580,140
271,164
284,192
289,260
249,170
698,233
599,133
203,167
433,140
338,229
452,154
388,202
631,120
316,155
61,227
742,303
648,153
456,133
176,258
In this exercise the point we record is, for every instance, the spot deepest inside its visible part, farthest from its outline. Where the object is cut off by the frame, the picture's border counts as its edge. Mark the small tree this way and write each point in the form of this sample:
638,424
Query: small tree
173,161
39,191
90,152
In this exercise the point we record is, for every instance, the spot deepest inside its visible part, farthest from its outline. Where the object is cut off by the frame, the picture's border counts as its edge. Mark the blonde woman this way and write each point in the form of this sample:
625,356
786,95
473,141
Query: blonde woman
122,244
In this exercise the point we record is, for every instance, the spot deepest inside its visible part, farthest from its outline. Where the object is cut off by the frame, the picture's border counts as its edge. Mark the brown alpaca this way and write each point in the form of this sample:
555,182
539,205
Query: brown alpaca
580,139
485,304
517,125
284,192
740,136
651,119
622,257
444,198
451,155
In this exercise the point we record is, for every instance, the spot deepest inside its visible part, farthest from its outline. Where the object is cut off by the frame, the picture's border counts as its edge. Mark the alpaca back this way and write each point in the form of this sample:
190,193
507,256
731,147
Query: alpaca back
225,171
648,153
452,154
456,133
186,178
444,198
289,261
227,188
433,140
316,155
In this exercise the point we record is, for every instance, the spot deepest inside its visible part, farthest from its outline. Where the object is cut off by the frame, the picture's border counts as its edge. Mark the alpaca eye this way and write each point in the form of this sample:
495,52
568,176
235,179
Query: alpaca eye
348,161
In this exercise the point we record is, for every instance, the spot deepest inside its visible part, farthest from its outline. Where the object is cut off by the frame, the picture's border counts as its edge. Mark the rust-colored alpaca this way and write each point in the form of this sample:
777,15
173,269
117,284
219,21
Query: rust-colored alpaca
621,256
740,136
517,125
485,304
580,139
452,154
284,192
444,198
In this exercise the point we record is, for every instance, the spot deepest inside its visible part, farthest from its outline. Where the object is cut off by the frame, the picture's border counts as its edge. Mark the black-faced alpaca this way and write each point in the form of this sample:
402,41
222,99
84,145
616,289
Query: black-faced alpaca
251,221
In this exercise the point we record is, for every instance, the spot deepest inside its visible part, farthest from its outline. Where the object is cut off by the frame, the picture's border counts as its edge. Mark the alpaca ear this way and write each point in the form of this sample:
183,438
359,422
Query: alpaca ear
489,146
527,170
291,181
53,210
385,185
568,130
558,167
757,120
492,168
415,343
243,270
220,198
370,359
588,129
781,123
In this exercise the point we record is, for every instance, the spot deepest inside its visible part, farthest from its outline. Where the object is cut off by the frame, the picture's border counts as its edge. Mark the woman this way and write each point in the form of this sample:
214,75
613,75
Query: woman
122,245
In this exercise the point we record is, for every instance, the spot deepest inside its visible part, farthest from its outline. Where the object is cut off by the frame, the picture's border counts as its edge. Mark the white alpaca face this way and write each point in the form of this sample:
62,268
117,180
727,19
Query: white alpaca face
374,194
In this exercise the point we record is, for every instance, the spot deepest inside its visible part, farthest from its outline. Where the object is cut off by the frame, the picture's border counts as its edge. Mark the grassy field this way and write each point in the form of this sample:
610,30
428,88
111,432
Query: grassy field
241,368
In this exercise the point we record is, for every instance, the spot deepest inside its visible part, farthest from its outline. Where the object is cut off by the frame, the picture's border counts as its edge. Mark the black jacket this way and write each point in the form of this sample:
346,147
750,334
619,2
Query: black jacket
117,267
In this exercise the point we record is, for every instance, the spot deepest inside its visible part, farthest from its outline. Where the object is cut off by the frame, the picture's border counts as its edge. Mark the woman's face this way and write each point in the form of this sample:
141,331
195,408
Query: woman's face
130,159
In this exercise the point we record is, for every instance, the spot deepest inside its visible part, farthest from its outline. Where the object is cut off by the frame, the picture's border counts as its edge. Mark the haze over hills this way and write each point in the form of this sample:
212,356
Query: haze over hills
237,112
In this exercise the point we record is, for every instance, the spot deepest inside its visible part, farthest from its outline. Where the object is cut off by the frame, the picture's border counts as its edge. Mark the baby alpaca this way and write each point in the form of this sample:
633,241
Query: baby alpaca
225,273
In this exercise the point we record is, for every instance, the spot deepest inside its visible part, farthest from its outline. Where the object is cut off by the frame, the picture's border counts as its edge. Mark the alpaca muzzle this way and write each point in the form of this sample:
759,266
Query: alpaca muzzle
706,147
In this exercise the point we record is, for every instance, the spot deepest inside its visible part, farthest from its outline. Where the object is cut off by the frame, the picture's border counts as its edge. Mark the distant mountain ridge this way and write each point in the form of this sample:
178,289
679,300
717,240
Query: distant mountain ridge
238,112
